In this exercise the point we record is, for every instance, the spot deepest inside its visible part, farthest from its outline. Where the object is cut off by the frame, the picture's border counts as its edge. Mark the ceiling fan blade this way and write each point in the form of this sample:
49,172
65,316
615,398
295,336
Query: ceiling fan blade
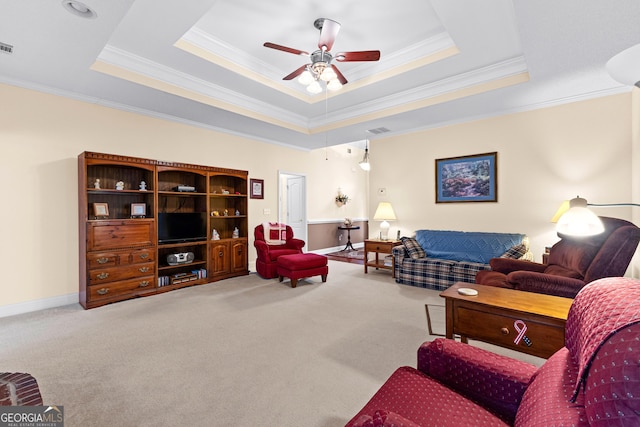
341,78
328,33
295,74
285,49
364,55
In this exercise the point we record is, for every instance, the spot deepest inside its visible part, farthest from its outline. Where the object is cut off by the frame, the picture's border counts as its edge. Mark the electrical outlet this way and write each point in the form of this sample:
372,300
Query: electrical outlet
266,211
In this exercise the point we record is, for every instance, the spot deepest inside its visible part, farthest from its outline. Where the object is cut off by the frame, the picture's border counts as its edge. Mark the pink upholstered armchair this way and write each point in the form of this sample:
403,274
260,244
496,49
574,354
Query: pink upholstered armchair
573,262
268,253
593,381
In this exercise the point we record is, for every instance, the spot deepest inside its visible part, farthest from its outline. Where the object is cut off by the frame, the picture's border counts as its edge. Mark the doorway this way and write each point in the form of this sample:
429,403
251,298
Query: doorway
292,202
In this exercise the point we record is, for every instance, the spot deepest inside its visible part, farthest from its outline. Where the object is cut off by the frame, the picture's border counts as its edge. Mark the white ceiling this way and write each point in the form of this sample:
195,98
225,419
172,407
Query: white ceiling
202,61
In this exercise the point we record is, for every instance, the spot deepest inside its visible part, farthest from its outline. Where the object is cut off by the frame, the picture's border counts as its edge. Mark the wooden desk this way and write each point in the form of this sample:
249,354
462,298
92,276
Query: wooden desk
498,316
378,247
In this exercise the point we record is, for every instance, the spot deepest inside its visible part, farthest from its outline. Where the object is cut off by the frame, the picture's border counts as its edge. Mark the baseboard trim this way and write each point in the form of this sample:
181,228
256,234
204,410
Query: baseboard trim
40,304
325,251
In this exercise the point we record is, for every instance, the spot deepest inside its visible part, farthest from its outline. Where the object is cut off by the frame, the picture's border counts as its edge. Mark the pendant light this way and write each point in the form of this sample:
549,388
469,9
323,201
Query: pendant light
364,164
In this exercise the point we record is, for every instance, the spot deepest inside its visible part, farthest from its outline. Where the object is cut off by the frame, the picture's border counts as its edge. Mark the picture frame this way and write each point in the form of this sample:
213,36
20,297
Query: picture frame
256,190
471,178
100,210
138,210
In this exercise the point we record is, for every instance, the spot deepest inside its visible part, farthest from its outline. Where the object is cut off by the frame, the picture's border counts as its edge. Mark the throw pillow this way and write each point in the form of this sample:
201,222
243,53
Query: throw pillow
413,248
515,252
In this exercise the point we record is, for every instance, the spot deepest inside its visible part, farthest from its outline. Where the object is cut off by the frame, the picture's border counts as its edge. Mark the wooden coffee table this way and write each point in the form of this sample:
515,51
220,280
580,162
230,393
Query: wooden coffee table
523,321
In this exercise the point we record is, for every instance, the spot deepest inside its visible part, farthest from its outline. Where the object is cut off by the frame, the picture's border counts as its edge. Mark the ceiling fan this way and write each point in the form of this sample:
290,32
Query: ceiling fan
321,67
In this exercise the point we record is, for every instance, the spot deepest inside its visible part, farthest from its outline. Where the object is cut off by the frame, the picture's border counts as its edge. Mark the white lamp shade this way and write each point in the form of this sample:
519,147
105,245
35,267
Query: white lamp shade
314,87
305,78
579,220
364,164
384,212
561,210
334,85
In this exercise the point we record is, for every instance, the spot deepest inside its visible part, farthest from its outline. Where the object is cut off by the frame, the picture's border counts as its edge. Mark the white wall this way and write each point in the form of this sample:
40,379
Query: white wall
41,136
544,156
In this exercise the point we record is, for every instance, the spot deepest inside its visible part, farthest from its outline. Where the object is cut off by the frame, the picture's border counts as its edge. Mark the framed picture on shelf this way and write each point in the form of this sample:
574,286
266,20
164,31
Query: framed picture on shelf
257,188
138,210
467,178
100,210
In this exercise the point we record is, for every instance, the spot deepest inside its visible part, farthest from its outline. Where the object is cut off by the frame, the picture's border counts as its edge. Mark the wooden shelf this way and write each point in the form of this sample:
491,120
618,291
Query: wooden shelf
134,260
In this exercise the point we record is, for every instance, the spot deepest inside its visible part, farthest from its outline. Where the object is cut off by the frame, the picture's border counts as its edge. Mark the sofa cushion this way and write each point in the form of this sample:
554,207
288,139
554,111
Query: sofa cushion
613,382
414,396
600,308
468,246
546,402
515,251
414,250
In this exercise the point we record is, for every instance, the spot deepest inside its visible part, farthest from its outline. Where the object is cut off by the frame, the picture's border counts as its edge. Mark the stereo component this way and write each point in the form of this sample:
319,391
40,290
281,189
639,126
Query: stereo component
180,258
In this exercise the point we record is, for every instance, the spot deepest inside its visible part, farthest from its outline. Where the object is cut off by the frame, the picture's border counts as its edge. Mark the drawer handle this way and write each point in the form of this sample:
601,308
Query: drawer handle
144,283
102,276
102,260
504,331
143,269
103,291
144,256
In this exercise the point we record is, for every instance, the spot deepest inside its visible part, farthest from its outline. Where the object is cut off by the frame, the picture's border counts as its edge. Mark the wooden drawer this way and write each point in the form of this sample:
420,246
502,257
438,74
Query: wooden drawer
104,235
545,337
102,260
121,289
112,259
142,255
106,275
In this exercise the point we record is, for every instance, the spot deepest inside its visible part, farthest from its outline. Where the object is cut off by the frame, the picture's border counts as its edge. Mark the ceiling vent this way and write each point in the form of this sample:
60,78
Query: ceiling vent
6,48
378,131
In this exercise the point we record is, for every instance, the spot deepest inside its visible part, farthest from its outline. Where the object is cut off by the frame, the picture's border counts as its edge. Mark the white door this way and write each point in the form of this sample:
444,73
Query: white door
295,196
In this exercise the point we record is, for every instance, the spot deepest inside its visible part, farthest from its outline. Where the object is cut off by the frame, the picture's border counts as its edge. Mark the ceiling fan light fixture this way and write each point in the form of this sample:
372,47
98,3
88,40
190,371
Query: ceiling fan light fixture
334,85
306,78
328,74
314,87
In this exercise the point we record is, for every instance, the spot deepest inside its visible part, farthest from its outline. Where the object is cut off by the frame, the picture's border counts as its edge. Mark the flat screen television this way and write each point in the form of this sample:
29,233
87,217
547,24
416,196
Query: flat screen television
177,227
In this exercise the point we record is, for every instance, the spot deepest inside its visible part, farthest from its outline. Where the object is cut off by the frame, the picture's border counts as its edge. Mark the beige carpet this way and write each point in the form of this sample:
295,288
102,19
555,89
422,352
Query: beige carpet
240,352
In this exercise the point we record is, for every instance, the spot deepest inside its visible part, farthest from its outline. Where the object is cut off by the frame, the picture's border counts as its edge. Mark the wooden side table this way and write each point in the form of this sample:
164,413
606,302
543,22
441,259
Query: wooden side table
378,247
349,244
523,321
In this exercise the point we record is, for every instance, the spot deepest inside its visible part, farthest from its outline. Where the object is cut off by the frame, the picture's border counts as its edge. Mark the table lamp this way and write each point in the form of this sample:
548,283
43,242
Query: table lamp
384,213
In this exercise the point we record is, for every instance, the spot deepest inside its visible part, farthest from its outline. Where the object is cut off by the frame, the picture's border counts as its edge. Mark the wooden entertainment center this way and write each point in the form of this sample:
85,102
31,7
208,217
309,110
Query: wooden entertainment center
125,253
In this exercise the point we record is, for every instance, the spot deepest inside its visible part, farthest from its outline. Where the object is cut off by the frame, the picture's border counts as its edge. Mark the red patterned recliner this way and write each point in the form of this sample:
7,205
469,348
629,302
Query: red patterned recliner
573,262
593,381
266,265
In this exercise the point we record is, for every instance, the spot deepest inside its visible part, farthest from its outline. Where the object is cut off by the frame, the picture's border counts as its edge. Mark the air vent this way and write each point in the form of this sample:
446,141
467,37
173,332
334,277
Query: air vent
6,48
379,130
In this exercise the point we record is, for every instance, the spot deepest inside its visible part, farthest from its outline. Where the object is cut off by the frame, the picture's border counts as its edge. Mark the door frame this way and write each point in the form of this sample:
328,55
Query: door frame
282,193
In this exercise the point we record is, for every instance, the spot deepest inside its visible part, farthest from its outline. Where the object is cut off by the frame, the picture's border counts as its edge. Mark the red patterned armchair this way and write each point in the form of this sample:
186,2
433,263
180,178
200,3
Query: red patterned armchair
573,262
593,381
279,241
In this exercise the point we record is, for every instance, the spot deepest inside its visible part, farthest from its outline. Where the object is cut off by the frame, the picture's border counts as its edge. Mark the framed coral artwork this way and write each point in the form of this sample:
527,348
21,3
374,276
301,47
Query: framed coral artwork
467,178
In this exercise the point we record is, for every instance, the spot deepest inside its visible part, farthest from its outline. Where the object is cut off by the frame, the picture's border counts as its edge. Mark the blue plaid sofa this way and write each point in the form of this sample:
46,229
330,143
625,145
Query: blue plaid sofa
436,259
